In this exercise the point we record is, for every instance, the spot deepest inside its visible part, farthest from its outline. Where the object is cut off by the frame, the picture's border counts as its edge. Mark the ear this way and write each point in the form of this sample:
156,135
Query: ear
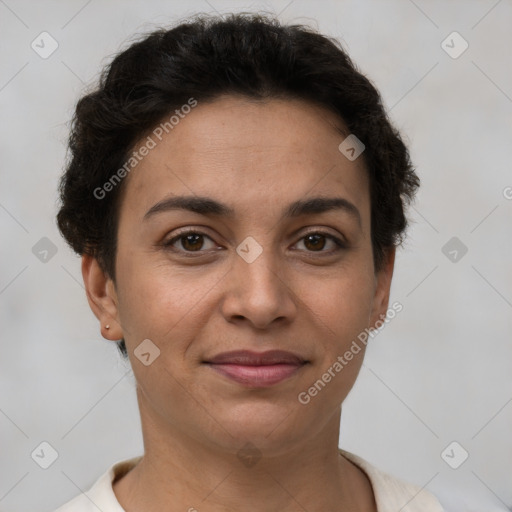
102,298
382,287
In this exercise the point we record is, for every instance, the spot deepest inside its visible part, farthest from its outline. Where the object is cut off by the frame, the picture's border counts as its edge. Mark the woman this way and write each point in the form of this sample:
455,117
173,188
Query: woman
237,193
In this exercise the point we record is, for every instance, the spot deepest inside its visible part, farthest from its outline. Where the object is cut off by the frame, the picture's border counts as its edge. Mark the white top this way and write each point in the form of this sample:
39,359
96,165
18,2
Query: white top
390,493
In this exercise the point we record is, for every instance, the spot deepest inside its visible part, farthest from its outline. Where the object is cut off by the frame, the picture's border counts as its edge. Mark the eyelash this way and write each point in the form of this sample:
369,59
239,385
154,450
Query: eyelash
340,244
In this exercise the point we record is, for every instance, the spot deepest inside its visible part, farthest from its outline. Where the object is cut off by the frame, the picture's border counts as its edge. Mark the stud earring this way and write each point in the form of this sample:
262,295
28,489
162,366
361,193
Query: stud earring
107,326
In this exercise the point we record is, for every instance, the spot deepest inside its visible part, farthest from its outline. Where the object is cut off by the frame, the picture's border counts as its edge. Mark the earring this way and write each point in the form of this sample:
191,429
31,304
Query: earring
107,326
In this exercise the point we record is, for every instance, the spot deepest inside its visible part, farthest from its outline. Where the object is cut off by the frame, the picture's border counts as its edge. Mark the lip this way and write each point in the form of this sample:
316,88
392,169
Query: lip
257,369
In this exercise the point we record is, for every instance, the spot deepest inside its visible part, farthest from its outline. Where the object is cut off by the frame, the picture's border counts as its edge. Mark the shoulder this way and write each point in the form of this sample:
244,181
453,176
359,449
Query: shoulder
393,494
101,495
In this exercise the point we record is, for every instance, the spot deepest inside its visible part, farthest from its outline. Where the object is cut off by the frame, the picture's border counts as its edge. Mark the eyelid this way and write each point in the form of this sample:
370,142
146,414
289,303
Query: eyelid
339,242
184,232
320,231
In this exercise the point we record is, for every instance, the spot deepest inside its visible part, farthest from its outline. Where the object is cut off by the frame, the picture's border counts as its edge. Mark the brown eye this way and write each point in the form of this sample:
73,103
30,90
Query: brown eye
189,242
315,242
192,242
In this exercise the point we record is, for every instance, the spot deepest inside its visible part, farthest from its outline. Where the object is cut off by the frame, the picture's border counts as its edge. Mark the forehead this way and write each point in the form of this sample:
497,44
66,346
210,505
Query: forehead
248,153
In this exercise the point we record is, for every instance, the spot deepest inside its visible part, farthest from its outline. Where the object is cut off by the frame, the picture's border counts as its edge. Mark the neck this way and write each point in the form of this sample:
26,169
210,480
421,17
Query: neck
179,472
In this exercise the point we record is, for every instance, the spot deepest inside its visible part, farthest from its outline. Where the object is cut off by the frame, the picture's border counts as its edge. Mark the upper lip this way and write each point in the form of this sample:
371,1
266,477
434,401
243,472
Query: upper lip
249,358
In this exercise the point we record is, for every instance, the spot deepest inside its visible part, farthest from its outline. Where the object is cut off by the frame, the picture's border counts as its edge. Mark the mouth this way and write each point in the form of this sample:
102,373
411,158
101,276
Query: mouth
257,370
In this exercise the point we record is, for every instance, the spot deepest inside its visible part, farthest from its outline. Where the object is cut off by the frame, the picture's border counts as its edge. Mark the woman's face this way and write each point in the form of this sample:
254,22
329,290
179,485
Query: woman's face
261,270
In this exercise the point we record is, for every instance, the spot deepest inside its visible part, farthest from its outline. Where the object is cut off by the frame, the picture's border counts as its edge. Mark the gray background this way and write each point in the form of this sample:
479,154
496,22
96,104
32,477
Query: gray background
440,372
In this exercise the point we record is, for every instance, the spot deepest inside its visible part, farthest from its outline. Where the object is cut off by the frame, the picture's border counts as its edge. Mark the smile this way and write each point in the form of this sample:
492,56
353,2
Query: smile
257,370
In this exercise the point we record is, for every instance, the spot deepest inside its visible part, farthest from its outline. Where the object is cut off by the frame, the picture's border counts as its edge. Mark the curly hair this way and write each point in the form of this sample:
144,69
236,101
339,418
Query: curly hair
252,55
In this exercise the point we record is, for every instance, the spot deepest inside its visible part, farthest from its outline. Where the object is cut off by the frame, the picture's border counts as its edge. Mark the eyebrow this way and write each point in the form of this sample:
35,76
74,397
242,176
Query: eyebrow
208,206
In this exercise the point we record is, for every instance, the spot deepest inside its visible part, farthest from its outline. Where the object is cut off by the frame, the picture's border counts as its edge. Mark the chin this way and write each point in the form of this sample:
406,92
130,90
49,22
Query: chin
266,425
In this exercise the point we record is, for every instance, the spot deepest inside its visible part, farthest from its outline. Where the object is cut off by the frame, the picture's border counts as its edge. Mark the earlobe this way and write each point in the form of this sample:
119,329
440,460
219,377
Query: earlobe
383,286
102,298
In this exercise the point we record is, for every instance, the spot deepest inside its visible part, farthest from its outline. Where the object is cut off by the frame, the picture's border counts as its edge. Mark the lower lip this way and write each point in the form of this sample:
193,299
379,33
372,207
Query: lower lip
257,376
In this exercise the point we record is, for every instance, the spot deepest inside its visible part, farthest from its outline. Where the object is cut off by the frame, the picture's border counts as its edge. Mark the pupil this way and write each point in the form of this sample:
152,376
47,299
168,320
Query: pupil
315,239
194,239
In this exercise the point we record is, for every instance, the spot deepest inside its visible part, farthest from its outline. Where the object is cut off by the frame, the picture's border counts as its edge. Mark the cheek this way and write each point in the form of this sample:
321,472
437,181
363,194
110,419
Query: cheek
343,305
341,309
159,302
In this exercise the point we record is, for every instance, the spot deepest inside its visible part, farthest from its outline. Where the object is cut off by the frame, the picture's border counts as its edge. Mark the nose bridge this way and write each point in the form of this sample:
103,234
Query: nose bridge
257,289
256,265
259,273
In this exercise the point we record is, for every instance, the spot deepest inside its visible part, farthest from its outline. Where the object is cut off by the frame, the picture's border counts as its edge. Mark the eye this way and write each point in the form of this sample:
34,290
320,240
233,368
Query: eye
191,241
315,241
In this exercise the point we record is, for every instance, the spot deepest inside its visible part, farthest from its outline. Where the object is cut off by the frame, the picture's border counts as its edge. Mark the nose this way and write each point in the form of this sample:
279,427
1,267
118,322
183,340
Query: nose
258,292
